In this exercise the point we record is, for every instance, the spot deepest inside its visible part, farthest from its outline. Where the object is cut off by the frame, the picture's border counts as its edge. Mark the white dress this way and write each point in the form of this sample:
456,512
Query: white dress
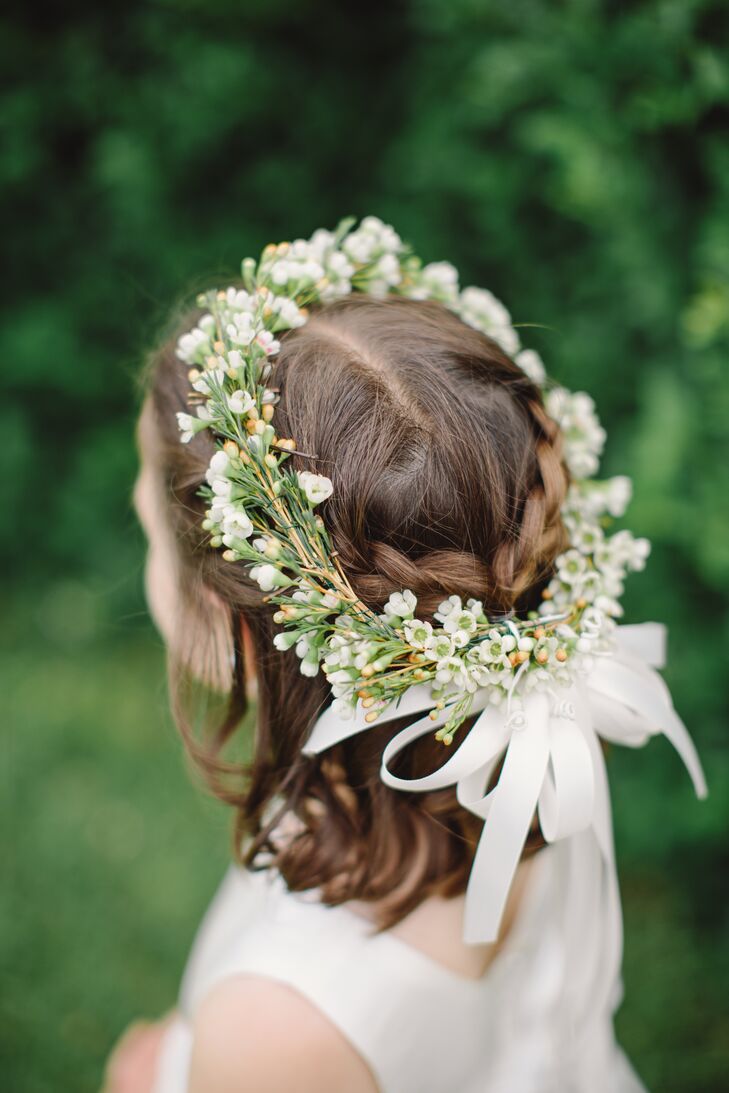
538,1021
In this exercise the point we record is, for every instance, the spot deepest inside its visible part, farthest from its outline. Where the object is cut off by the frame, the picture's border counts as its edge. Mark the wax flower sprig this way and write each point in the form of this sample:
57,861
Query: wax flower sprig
262,513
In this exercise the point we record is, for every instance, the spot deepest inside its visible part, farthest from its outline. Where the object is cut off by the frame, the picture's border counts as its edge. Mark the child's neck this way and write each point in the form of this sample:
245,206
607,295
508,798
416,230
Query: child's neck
435,927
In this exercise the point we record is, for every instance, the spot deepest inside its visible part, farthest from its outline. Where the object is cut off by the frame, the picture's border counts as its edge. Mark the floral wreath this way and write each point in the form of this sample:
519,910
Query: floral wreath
264,514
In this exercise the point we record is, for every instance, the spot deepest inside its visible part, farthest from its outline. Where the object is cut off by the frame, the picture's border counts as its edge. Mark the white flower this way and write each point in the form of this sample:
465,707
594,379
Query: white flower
195,346
400,605
439,645
371,240
494,650
218,466
619,492
440,279
237,299
288,311
266,575
236,524
268,343
608,606
208,380
417,632
241,328
460,622
591,585
625,550
479,308
571,567
586,537
384,275
531,363
222,487
240,402
451,670
185,423
639,551
448,607
507,338
317,487
584,437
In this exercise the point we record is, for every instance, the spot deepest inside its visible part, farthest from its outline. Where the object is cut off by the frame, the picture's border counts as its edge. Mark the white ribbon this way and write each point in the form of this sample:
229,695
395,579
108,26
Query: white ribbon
552,764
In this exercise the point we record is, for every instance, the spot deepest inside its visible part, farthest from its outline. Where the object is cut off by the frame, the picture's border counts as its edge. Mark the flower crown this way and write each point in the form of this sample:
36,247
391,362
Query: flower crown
264,514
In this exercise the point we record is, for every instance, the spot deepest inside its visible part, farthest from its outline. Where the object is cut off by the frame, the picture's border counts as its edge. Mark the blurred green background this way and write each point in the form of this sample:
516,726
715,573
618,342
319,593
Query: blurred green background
572,156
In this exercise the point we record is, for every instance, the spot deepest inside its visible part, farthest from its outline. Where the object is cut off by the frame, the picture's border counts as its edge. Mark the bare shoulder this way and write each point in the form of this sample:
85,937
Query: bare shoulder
255,1035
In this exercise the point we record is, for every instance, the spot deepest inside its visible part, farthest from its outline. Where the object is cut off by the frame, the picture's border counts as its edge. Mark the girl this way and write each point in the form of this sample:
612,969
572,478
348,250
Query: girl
383,930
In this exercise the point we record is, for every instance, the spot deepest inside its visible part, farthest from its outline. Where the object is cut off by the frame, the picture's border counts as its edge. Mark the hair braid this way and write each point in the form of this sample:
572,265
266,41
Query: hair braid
521,562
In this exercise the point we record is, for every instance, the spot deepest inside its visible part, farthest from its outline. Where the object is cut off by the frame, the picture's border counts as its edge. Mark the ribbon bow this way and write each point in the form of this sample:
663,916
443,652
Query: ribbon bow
552,763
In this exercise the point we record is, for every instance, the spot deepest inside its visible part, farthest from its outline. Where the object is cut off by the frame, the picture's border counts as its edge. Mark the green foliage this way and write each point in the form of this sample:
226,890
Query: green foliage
571,157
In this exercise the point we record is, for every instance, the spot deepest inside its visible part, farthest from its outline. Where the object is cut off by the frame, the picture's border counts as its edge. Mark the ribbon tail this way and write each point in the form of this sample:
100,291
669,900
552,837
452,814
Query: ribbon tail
642,691
513,802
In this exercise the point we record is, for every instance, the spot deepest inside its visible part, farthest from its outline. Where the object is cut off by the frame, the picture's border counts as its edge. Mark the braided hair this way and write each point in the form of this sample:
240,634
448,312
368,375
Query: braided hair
448,479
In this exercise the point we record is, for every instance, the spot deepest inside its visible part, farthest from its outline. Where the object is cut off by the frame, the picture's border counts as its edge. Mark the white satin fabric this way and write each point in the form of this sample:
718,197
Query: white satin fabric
541,1018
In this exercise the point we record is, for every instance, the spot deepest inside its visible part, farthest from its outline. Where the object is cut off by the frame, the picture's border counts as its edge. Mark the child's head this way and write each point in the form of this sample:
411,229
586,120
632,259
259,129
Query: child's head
448,479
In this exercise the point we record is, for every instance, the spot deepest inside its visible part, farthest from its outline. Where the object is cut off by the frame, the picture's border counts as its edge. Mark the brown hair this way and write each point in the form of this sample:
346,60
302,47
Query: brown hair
448,478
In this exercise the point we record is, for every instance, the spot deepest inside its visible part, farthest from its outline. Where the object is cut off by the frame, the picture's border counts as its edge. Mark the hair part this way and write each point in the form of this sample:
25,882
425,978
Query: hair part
448,479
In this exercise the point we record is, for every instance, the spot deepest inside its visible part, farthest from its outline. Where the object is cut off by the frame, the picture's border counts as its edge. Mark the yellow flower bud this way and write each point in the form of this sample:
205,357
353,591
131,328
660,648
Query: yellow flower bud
267,412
